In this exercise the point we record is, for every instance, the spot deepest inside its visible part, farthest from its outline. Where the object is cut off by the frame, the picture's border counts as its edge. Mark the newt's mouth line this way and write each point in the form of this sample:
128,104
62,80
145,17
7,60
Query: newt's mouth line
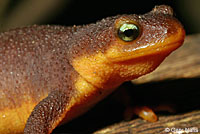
161,49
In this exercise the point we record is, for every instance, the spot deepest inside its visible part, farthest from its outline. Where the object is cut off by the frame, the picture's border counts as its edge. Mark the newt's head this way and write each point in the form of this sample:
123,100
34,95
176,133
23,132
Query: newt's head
155,33
125,47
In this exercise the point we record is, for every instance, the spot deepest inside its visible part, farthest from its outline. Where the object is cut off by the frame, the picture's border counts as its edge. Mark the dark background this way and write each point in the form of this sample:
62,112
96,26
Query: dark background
83,12
69,12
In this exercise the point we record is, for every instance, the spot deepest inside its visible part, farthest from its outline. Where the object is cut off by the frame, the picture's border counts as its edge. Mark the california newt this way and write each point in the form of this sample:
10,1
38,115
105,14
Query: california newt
52,74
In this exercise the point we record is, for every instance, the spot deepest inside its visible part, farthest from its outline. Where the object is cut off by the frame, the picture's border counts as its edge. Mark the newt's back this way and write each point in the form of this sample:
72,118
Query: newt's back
30,67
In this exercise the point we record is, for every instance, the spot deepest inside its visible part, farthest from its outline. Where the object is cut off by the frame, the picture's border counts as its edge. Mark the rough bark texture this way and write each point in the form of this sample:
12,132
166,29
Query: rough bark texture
167,124
173,87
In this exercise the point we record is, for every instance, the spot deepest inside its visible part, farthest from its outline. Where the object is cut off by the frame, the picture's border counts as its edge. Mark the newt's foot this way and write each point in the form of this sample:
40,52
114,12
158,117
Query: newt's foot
142,111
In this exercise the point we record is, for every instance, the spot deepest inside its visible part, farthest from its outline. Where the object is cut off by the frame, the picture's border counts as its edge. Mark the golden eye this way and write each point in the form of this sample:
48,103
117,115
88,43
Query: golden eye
128,32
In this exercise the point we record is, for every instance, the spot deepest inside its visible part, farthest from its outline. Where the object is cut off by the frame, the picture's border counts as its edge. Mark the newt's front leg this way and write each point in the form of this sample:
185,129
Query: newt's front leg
124,97
48,113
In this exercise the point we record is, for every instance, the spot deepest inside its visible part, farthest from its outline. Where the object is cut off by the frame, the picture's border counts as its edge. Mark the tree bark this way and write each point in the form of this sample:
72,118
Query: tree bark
189,122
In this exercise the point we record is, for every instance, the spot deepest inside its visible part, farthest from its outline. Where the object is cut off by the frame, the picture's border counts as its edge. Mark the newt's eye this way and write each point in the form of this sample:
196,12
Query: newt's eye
128,32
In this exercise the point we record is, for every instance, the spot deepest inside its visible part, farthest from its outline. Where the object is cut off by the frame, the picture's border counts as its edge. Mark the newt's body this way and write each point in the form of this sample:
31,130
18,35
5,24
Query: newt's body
58,73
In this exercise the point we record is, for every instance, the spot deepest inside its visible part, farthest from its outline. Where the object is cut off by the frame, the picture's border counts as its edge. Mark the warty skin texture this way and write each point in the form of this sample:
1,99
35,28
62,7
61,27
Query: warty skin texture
67,70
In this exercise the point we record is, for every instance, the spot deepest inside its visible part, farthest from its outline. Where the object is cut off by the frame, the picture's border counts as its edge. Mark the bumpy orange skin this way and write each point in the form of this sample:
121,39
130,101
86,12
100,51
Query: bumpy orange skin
58,73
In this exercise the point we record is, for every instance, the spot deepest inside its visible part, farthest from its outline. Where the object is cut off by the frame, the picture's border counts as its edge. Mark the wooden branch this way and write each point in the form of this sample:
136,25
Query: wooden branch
186,122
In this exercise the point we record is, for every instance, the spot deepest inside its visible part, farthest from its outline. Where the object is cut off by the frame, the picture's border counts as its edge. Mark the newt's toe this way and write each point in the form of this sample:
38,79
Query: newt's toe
142,111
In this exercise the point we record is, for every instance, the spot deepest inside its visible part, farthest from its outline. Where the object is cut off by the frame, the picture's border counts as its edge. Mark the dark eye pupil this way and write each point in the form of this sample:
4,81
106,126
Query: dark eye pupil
128,32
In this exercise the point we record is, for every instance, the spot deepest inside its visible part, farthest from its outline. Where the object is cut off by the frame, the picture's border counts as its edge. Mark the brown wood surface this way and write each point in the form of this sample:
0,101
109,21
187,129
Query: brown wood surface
175,84
185,122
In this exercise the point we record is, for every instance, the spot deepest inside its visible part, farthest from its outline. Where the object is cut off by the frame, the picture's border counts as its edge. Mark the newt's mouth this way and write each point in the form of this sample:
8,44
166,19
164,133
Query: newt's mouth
163,48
